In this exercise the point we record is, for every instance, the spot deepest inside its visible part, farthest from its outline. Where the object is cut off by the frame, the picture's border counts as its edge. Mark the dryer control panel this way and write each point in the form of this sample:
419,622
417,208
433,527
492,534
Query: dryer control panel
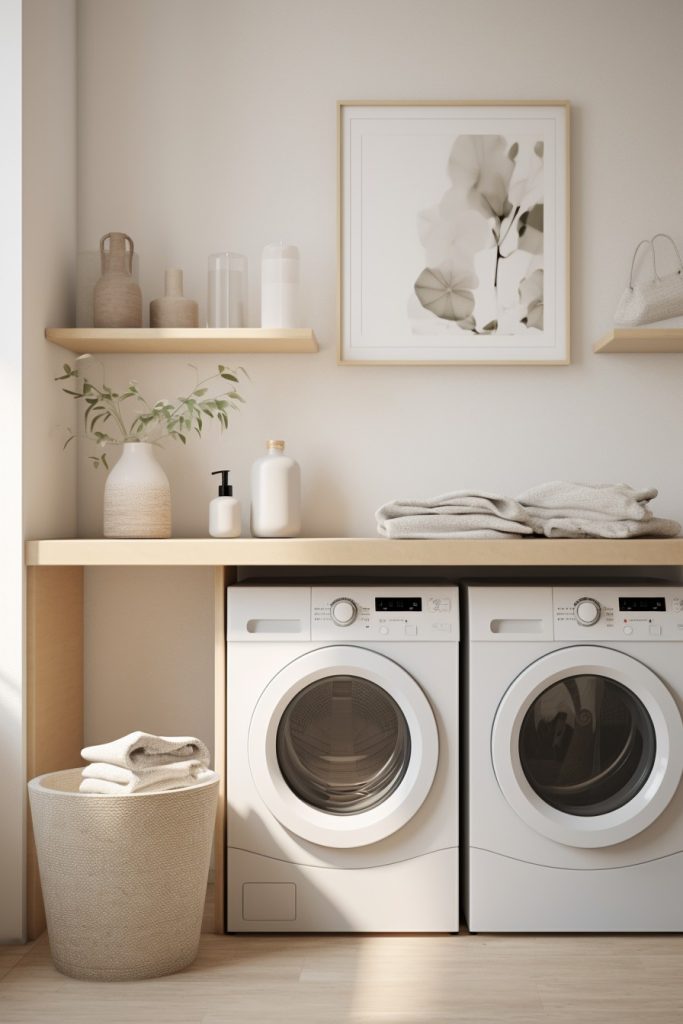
618,613
578,614
411,613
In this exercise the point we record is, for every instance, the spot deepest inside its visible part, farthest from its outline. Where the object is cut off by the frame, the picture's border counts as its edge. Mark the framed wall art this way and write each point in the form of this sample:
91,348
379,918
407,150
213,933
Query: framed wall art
454,232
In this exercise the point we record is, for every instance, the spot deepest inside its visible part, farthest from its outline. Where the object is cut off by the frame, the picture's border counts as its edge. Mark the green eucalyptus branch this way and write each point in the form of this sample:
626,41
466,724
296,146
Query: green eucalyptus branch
107,423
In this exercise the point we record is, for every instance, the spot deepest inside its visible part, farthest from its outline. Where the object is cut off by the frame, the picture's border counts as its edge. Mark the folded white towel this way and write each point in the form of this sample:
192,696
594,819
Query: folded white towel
475,527
101,777
457,514
142,750
563,509
611,501
619,529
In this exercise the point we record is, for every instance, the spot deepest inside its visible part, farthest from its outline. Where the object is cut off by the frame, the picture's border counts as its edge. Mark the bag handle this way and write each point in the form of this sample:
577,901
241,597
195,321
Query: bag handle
662,234
643,241
651,243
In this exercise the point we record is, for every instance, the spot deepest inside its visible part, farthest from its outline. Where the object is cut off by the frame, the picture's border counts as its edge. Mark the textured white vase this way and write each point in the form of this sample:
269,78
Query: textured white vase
137,495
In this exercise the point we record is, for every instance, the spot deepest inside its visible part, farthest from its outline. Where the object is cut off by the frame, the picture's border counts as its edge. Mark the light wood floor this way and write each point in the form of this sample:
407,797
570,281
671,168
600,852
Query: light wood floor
369,980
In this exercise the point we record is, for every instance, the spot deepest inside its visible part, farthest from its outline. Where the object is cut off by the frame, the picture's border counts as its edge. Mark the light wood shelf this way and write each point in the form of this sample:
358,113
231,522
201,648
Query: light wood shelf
186,341
354,551
643,340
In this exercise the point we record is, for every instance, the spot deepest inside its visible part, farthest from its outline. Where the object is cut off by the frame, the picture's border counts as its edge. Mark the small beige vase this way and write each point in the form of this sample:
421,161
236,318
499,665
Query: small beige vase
137,495
117,299
173,310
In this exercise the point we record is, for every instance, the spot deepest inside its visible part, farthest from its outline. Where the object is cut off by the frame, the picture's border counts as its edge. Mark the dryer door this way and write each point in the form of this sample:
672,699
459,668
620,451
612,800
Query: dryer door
343,747
587,746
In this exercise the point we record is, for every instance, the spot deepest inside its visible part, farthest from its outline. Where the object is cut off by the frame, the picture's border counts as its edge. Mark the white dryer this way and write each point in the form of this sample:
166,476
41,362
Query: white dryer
342,770
574,753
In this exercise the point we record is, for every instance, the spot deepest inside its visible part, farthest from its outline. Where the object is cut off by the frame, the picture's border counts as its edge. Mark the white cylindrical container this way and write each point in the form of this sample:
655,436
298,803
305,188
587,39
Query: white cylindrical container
280,286
227,299
275,494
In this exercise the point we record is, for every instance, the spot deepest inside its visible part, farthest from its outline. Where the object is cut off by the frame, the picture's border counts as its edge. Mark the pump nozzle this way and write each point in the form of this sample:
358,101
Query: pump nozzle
224,489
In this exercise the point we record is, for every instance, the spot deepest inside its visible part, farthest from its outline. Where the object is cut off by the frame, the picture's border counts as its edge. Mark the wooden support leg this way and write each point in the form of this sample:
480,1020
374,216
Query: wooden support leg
54,624
222,578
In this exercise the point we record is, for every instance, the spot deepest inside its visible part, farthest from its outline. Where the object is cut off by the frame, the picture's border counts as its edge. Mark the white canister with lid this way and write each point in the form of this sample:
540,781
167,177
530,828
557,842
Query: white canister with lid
280,286
275,494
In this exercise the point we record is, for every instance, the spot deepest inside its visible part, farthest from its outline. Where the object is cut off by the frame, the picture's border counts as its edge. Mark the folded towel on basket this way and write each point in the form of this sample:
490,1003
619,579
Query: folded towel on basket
141,761
142,750
101,777
456,514
563,509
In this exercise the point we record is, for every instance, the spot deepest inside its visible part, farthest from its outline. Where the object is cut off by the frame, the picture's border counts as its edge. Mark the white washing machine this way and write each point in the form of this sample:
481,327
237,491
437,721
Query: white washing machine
342,773
574,817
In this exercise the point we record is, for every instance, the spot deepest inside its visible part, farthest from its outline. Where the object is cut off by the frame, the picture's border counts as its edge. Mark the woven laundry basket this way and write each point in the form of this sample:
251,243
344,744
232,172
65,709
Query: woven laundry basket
123,877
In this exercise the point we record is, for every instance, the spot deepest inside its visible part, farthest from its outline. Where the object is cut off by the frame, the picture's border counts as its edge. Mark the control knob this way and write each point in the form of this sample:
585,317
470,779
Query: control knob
343,611
587,611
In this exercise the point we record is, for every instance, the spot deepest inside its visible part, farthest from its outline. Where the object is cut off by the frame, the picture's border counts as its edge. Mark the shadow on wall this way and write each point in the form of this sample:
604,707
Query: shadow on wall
325,501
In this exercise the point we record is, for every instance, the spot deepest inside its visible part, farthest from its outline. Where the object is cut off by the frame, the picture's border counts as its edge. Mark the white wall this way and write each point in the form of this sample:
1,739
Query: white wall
211,124
49,232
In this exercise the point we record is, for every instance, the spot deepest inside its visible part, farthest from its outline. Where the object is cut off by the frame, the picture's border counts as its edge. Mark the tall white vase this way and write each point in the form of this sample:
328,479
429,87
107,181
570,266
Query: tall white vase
137,495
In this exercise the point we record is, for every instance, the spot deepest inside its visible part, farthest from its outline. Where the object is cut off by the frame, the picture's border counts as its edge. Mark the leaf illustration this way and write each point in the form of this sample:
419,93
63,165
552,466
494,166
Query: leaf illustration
446,292
531,296
480,165
530,230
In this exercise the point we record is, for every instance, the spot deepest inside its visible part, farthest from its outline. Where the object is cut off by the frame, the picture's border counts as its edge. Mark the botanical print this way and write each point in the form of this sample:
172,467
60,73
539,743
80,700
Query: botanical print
483,243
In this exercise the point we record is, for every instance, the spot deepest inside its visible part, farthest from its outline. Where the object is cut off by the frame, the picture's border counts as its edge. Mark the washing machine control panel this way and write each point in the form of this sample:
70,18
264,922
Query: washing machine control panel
652,613
410,613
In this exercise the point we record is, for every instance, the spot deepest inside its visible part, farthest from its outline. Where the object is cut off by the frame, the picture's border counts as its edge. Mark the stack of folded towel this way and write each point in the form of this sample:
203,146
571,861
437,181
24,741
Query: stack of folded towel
561,509
458,514
140,762
556,509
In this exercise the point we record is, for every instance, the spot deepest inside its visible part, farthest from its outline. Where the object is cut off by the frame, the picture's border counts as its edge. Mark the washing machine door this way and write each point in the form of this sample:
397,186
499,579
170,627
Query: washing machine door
587,746
343,746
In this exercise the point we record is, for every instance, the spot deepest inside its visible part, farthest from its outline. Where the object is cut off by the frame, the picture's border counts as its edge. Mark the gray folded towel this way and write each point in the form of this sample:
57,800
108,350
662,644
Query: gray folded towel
618,529
456,514
564,509
555,509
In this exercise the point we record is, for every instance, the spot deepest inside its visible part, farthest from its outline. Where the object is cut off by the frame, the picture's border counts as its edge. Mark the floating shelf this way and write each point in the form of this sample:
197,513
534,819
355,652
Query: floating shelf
641,339
355,551
219,341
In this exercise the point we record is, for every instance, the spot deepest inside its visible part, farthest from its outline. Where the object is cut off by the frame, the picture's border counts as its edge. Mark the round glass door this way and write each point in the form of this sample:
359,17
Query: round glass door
343,746
587,746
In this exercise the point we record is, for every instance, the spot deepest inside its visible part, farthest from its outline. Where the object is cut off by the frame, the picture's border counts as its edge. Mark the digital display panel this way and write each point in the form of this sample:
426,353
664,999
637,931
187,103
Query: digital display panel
398,604
642,604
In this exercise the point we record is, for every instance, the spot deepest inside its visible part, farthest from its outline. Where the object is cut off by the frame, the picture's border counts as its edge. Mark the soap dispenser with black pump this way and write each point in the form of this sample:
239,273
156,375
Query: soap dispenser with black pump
225,519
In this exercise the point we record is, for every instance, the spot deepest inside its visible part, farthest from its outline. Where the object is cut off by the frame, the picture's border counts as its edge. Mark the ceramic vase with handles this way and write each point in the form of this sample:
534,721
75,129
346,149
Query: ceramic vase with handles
117,300
137,495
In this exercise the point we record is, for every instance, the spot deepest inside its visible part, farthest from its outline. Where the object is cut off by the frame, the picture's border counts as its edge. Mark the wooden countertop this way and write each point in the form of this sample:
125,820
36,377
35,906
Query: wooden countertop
355,551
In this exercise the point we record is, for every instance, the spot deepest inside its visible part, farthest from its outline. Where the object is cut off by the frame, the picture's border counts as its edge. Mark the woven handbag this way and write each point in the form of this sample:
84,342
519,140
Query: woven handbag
648,301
